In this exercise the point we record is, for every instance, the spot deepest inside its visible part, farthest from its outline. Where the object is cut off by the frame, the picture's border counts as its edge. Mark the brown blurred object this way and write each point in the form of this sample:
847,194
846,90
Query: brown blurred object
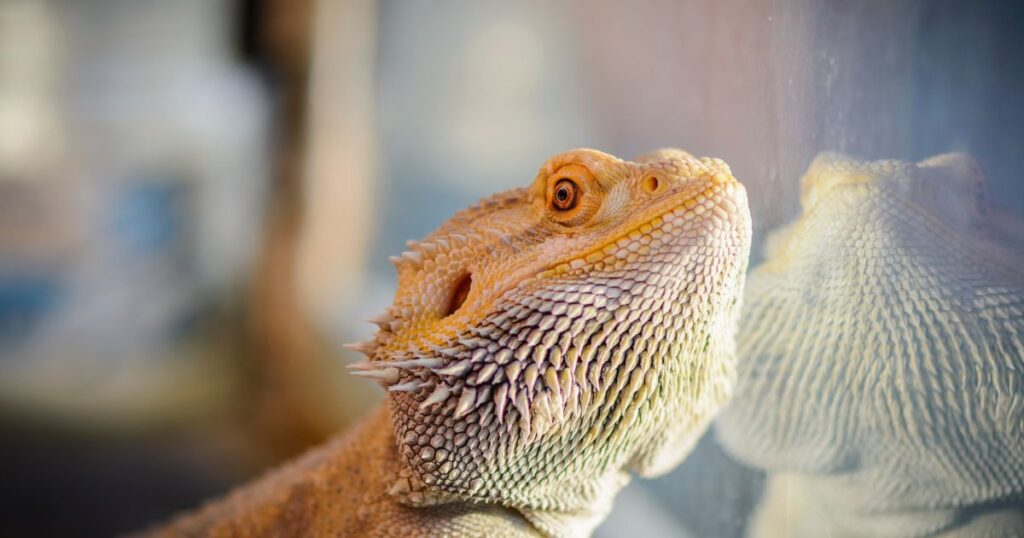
298,395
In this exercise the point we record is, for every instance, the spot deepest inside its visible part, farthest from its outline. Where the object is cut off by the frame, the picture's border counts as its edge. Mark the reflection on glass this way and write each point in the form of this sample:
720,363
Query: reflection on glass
881,369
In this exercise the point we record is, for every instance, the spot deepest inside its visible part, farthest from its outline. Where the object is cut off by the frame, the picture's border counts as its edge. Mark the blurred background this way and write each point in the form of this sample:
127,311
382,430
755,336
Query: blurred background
198,198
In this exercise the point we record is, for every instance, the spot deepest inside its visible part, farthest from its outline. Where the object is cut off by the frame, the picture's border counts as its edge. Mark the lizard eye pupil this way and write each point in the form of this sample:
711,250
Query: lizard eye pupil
565,195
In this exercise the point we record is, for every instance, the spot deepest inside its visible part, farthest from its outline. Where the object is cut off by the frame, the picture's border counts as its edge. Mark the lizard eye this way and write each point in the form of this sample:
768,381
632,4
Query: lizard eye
565,195
572,195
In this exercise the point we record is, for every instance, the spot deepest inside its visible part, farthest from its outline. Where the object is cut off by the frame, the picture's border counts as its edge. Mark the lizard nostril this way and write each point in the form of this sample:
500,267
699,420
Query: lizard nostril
459,293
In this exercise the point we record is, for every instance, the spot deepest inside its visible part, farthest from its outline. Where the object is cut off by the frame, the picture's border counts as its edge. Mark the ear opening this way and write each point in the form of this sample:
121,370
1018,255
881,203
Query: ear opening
459,293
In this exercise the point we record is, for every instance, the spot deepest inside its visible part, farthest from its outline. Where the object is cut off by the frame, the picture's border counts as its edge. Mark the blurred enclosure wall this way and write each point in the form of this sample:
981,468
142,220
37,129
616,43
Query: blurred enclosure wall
198,198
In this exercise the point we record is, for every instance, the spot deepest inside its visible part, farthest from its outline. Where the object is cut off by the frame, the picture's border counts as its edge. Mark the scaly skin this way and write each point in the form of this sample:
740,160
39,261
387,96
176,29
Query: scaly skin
539,349
881,349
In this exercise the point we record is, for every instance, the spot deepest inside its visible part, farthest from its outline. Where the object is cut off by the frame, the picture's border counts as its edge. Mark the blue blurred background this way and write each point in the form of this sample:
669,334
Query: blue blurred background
198,198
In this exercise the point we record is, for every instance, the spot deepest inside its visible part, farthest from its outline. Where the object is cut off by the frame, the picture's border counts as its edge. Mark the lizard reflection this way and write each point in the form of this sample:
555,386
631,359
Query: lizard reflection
881,358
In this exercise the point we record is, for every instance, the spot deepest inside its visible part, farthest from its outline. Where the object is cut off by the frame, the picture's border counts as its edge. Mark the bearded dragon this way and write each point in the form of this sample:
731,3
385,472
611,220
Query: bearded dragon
881,357
542,345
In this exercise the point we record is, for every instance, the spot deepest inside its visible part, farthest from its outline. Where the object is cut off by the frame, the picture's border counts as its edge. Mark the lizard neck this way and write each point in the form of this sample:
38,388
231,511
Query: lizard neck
341,489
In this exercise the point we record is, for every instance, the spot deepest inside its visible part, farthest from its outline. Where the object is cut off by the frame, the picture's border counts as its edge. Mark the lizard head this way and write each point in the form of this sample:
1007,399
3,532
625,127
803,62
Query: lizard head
550,339
951,184
949,187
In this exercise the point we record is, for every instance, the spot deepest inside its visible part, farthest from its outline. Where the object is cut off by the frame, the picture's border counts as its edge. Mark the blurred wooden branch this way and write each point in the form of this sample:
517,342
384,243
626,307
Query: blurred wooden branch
315,243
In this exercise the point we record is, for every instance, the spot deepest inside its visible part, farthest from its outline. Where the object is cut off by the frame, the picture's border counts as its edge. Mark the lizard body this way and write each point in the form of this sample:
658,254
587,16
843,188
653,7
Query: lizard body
542,345
881,358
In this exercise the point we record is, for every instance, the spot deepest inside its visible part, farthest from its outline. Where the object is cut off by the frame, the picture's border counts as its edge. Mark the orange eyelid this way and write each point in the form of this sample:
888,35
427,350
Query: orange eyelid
588,195
577,172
